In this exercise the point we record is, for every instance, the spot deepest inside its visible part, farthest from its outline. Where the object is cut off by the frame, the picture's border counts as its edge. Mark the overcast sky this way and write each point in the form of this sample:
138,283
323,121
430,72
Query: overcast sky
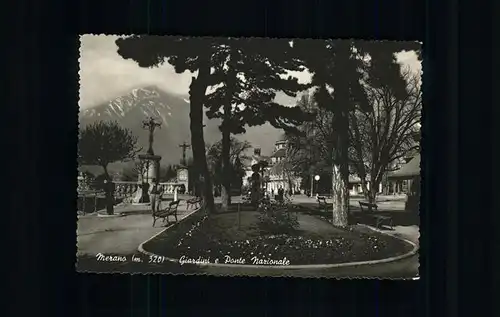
105,75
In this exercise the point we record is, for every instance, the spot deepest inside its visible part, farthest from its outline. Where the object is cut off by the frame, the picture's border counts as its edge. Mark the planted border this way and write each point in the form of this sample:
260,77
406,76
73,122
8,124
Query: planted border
182,249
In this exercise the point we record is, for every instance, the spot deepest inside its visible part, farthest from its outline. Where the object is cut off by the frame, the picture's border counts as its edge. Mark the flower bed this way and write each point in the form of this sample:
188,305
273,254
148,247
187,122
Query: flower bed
314,242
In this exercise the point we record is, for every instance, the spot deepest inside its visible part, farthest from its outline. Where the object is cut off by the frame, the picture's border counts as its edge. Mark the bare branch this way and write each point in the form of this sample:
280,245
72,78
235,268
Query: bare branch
386,132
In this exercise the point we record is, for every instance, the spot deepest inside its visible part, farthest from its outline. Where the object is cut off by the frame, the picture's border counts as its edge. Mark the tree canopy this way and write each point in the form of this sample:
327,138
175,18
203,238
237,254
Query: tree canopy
313,144
247,73
105,142
387,131
237,157
237,150
237,82
184,54
340,70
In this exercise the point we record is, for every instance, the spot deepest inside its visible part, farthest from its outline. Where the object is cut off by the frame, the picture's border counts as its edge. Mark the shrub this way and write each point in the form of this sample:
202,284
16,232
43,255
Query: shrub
276,219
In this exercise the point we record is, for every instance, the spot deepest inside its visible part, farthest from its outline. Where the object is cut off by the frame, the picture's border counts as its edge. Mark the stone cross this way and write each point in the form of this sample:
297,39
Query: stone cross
184,146
150,124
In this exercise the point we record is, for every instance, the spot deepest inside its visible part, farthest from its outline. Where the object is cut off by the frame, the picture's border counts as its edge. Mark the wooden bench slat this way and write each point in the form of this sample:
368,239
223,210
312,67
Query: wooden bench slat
370,206
322,203
171,209
380,219
194,202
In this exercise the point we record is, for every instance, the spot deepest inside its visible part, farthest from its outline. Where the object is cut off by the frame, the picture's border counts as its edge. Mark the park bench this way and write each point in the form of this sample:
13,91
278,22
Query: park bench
379,219
194,202
171,209
371,207
322,204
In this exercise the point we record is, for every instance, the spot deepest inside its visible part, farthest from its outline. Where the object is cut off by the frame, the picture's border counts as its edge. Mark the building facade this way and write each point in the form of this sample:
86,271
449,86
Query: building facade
401,181
275,174
355,187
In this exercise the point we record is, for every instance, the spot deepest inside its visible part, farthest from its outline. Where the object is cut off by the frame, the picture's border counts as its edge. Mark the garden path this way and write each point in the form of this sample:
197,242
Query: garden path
119,235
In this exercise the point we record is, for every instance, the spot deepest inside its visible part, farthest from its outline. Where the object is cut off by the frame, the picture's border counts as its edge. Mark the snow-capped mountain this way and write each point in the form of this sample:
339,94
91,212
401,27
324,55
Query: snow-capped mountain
173,111
147,100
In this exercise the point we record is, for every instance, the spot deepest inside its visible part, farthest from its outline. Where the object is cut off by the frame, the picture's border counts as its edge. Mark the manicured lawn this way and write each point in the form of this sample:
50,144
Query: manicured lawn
315,241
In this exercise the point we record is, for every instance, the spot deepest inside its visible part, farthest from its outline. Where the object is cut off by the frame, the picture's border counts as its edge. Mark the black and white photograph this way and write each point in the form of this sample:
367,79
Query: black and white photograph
249,156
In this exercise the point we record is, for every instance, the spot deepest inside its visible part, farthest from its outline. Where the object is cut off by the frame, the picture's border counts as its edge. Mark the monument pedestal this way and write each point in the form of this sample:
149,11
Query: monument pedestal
183,177
150,174
151,167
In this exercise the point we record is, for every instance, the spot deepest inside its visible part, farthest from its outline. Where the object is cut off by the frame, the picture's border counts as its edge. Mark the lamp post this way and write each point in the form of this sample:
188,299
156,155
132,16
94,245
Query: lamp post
316,178
312,186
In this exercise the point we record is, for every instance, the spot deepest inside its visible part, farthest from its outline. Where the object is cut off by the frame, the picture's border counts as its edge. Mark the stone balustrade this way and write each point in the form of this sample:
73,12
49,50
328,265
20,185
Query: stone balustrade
169,188
83,184
127,189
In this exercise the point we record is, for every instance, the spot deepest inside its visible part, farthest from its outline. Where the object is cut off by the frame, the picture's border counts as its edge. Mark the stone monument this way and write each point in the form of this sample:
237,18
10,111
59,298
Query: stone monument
151,163
182,171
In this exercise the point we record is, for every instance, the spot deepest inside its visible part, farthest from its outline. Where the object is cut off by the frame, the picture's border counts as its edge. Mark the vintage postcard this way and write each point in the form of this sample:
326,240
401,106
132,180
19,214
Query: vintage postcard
249,156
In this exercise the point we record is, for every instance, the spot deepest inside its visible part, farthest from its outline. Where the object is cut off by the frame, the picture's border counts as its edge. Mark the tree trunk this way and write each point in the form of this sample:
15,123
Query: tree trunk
232,87
197,94
344,159
290,183
340,199
108,194
374,187
226,165
364,187
385,186
371,194
340,175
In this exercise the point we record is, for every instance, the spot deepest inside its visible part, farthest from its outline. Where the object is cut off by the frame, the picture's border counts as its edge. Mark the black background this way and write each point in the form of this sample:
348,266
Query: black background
40,118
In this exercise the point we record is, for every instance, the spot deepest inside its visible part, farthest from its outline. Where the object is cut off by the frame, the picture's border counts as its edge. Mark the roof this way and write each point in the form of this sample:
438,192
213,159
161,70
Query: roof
408,170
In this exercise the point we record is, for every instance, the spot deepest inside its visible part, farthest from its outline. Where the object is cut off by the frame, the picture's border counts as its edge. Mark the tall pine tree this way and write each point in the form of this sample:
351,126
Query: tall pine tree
250,72
238,100
338,69
184,54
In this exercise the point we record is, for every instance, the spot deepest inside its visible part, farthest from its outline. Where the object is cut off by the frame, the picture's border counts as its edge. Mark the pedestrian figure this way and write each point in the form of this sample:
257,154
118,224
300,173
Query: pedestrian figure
281,193
109,191
154,196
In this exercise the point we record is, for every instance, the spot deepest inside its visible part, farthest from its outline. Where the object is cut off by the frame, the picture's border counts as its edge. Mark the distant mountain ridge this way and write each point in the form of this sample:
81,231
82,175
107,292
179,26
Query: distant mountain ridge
149,101
131,109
